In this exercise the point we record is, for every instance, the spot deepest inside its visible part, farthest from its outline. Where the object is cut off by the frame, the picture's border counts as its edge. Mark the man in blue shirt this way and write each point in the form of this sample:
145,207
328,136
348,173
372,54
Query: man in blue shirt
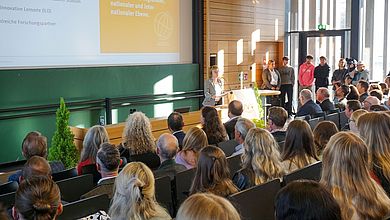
308,106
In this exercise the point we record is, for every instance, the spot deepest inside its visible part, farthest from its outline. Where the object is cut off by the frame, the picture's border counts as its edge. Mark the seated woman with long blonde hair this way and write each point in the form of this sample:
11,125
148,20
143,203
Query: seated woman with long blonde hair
212,173
374,128
345,174
193,142
134,196
203,206
260,161
299,149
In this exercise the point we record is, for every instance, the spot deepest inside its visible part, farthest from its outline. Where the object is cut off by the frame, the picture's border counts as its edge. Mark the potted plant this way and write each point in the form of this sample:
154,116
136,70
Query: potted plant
62,146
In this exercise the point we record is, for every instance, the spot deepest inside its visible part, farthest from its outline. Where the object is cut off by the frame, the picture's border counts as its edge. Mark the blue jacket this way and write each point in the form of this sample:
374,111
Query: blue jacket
309,108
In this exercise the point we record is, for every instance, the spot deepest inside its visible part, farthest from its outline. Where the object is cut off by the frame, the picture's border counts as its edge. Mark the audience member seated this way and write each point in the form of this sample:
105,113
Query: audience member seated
299,149
378,108
35,166
175,125
277,117
212,126
261,160
193,142
377,93
35,144
37,198
134,196
202,206
138,141
308,106
385,90
242,127
353,93
212,174
374,128
353,120
352,105
107,161
235,110
322,96
322,133
341,94
373,86
387,81
95,136
306,200
362,88
370,101
167,146
345,174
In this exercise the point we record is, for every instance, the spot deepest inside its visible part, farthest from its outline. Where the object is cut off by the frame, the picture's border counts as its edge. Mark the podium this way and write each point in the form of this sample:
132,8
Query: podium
248,99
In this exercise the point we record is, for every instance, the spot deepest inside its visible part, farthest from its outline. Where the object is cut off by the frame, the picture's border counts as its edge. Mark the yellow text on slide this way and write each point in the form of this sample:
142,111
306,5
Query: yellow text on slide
139,26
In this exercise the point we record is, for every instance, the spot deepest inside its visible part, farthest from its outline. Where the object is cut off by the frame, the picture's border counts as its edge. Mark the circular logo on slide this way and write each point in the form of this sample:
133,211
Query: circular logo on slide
163,25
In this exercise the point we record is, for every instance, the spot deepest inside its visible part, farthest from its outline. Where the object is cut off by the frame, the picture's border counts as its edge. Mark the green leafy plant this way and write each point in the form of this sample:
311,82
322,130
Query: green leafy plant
260,123
62,146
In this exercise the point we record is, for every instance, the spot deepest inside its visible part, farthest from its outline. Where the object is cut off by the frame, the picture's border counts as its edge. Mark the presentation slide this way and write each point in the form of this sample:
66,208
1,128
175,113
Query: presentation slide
57,33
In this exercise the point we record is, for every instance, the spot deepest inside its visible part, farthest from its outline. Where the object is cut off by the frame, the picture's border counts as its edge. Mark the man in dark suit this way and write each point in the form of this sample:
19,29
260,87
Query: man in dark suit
362,88
235,110
322,96
167,147
277,117
308,106
107,162
175,125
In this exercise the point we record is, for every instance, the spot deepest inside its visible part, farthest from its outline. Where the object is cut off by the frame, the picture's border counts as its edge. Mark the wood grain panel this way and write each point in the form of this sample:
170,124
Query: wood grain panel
231,20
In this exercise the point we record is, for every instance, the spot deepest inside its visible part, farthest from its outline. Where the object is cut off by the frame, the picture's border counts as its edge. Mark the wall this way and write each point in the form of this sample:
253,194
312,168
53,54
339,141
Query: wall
227,22
20,88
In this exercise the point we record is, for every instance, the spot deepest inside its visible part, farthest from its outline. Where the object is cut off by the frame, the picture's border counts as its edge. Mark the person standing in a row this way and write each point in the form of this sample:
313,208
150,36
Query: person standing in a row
287,76
306,74
321,74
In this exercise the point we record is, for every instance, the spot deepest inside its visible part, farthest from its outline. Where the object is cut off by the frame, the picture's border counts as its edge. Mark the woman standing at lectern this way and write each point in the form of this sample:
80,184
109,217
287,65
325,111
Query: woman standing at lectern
213,88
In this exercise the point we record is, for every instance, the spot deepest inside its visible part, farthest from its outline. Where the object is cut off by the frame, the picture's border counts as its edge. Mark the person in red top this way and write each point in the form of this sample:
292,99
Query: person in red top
306,74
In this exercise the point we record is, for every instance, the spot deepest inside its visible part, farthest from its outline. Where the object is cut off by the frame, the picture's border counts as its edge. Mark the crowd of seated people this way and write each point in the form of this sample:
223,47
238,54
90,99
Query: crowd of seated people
355,173
35,144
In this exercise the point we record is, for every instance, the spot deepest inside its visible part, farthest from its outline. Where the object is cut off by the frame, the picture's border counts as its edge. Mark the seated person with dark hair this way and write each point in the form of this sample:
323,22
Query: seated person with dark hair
352,105
322,97
35,166
167,148
306,200
235,110
308,106
277,117
175,126
362,87
107,162
377,93
341,94
35,144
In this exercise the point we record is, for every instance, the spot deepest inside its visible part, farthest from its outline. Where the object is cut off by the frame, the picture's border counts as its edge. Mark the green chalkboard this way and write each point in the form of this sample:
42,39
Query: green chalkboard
20,88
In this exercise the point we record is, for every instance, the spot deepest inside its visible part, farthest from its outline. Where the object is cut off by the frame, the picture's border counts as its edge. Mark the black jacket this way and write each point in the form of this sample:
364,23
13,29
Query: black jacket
244,179
321,74
169,168
229,126
327,105
180,137
151,159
